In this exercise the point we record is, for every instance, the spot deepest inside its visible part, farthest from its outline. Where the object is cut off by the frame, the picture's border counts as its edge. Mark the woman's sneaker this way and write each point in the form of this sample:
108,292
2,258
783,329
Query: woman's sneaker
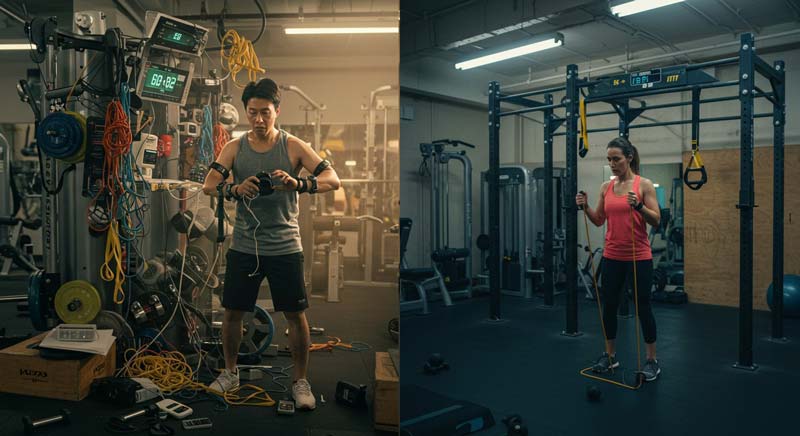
605,363
651,370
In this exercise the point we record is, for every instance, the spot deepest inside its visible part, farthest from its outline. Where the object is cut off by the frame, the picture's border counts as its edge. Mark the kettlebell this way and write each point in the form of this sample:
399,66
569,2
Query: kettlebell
515,426
435,363
593,393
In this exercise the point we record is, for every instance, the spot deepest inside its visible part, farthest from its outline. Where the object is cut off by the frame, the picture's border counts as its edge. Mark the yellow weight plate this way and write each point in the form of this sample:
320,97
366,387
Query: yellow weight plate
80,155
77,302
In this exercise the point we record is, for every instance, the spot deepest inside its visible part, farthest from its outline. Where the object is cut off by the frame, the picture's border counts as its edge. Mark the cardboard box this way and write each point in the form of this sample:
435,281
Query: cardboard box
387,393
25,372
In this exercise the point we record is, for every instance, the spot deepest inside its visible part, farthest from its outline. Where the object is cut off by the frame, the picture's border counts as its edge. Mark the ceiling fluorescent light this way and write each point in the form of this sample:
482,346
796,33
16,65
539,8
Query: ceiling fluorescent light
637,6
496,32
337,30
25,46
511,53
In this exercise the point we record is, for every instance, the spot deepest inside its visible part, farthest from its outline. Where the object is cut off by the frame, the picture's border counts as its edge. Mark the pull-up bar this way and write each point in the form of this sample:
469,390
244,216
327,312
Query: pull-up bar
668,123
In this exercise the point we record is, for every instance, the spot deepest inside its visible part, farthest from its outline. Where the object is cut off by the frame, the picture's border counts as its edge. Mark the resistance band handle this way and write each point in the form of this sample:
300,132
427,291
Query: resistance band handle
695,184
583,149
583,193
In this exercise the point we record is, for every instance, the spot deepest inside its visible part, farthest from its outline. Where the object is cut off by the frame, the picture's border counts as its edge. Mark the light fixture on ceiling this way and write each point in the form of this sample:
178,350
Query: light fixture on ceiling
23,46
339,30
636,6
555,41
497,32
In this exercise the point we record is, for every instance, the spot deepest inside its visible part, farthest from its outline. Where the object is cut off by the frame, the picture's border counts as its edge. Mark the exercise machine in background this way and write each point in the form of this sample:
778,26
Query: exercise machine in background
522,228
452,261
669,269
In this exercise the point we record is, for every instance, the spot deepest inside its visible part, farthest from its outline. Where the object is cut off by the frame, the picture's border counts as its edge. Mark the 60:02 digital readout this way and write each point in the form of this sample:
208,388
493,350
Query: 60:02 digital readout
157,80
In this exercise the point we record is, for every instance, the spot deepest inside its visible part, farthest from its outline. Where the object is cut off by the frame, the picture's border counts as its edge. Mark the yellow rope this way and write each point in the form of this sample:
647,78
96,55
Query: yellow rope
114,253
240,56
171,373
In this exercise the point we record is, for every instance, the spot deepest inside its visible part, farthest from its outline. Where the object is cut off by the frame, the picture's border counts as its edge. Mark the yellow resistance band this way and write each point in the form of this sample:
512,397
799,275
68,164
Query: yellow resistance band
585,372
114,253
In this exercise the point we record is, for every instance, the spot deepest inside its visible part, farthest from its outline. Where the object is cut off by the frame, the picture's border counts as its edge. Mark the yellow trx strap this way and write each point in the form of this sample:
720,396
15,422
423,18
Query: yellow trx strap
584,139
695,166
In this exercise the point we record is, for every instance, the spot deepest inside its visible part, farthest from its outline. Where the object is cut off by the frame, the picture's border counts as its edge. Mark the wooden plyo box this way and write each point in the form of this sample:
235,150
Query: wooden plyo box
25,372
387,393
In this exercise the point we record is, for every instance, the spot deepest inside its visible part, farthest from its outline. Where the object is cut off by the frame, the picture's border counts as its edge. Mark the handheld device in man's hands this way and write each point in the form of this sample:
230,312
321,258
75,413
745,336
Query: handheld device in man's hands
265,185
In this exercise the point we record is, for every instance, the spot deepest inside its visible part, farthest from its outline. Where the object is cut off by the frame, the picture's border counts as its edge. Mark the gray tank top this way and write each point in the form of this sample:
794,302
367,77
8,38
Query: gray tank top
278,232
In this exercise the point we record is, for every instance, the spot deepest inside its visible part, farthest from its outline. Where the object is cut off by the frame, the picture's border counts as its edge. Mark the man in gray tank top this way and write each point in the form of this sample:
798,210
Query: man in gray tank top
266,236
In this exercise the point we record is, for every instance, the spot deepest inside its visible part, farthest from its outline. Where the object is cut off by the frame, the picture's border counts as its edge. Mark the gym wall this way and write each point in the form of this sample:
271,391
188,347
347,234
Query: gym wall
711,232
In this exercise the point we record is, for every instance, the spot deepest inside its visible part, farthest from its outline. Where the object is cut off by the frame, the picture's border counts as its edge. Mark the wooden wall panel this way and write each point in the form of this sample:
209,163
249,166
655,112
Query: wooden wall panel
712,227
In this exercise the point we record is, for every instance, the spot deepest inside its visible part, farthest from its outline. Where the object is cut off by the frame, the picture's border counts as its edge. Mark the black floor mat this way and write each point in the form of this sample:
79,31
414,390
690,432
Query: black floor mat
523,365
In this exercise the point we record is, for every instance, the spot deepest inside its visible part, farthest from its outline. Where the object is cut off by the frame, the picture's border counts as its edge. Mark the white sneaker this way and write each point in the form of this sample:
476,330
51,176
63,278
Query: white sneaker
226,381
303,398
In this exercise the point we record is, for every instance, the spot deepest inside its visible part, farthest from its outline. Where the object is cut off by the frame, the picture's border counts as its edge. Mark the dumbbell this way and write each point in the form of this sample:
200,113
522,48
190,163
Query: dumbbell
31,425
515,426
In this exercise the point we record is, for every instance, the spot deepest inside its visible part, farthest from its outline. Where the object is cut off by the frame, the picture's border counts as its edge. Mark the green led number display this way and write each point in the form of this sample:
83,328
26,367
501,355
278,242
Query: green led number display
161,80
177,36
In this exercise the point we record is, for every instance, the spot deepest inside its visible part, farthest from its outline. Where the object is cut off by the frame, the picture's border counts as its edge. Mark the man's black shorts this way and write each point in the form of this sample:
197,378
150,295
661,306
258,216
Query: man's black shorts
284,275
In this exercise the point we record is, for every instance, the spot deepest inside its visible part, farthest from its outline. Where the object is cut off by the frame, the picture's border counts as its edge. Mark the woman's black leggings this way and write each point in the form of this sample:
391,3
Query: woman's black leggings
613,286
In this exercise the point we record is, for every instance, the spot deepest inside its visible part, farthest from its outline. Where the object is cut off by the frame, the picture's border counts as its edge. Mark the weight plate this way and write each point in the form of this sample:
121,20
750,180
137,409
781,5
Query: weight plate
77,302
36,306
152,272
105,320
125,330
198,257
258,332
79,156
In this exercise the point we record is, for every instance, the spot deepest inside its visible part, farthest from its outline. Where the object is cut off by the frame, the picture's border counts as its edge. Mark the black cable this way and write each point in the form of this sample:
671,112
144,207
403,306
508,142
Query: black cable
221,25
60,184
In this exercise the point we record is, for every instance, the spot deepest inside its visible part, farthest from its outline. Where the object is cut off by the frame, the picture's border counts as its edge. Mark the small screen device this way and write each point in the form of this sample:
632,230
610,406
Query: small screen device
174,408
172,33
164,84
196,423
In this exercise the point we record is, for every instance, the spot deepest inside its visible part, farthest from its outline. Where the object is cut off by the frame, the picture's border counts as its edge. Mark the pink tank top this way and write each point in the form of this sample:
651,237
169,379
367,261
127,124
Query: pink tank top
618,233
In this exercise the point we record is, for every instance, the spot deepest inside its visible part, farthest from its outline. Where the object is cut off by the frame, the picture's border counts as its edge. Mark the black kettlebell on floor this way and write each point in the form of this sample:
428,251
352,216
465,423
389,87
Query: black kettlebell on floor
515,426
593,393
435,364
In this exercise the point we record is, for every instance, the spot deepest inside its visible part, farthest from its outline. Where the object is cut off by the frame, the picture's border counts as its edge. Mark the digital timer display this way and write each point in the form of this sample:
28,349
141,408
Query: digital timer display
163,83
645,77
175,34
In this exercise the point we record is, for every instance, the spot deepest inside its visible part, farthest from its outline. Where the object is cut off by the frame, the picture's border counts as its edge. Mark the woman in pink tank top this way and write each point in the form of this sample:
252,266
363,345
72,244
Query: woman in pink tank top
625,191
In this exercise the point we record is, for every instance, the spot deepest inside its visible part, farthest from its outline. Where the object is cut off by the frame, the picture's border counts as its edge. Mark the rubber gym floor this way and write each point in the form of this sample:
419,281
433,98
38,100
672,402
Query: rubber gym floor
362,315
523,365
